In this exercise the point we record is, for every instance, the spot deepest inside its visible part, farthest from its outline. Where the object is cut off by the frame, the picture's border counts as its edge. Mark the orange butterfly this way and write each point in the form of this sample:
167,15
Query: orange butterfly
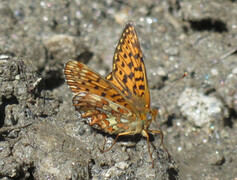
120,102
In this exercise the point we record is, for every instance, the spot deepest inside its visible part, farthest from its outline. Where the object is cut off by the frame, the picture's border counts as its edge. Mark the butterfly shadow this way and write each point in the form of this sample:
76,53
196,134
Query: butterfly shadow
133,139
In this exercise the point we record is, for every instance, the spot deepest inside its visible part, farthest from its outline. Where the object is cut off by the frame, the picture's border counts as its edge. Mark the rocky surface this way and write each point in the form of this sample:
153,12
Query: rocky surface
43,137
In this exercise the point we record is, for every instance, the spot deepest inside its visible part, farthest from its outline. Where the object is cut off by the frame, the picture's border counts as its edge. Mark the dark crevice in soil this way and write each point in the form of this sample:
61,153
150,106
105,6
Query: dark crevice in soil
30,173
173,174
85,57
5,102
210,91
164,78
192,74
209,24
54,81
91,164
232,115
53,78
31,170
169,122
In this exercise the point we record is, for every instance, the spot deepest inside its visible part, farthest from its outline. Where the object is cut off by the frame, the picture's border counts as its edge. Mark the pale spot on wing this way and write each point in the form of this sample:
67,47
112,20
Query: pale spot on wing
112,121
73,86
97,98
124,120
82,94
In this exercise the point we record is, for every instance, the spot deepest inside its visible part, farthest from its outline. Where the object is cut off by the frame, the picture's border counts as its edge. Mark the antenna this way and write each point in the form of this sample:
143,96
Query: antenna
224,56
162,98
183,76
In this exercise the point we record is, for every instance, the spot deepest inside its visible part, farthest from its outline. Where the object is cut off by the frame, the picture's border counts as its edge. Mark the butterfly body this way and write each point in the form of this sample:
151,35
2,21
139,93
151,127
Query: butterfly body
120,102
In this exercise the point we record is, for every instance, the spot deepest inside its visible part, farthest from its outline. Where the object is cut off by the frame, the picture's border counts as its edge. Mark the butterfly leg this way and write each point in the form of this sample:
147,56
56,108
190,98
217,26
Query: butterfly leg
120,134
161,136
145,134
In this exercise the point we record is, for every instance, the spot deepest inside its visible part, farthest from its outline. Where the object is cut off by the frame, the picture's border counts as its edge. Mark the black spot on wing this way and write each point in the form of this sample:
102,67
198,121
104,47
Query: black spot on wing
142,87
139,79
98,79
103,94
130,65
136,56
134,88
120,100
138,68
131,75
125,79
114,95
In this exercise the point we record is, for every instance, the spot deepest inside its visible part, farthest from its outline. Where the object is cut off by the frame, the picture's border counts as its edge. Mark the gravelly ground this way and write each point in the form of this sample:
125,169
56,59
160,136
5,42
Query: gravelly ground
41,135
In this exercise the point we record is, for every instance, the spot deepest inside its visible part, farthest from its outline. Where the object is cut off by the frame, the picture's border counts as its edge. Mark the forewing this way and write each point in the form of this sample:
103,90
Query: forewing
102,113
128,73
81,78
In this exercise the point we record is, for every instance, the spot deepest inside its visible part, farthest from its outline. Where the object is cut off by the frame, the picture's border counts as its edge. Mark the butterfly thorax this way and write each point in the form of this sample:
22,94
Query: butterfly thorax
143,121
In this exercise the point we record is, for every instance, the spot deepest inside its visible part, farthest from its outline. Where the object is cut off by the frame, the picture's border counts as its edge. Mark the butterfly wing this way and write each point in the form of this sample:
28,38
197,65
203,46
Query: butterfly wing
81,78
102,113
128,73
98,100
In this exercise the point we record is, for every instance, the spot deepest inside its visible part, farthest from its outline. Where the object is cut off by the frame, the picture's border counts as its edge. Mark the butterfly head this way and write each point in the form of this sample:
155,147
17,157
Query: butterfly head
150,116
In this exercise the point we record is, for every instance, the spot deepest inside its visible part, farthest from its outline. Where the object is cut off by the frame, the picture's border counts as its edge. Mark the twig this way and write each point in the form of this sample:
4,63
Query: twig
6,129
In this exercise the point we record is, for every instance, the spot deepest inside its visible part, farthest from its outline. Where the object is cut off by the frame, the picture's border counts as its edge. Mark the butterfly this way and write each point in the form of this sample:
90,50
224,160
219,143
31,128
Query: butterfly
119,103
